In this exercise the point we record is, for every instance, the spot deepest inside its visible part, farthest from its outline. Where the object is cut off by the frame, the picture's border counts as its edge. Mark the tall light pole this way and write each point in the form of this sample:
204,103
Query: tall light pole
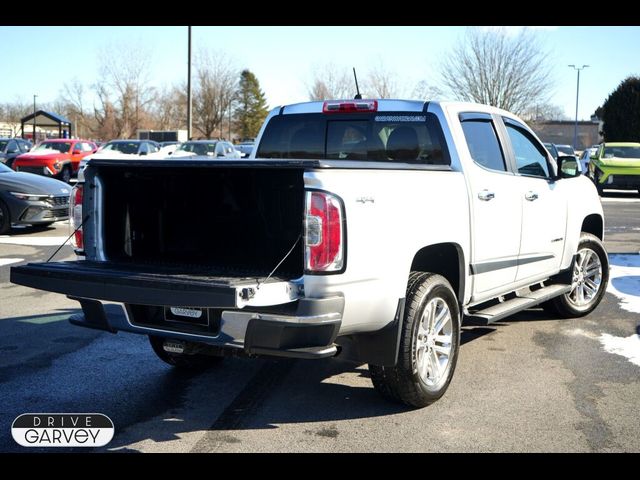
34,119
575,128
189,87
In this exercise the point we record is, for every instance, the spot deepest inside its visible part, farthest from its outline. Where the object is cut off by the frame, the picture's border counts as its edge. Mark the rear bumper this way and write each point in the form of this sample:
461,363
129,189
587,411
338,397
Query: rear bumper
275,319
309,331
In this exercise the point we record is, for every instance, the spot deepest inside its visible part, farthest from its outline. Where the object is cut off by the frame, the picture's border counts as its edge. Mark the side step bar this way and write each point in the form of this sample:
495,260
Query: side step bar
518,303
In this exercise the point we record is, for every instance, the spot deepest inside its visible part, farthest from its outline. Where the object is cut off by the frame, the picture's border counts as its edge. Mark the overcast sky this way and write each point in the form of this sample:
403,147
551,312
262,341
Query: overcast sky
39,60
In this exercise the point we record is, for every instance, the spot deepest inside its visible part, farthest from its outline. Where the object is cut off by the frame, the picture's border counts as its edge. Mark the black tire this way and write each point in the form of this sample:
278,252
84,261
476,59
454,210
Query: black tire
196,362
65,174
5,219
565,305
403,383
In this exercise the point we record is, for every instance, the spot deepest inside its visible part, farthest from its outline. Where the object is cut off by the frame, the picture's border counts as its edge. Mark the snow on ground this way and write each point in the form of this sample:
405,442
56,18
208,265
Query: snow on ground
9,261
33,241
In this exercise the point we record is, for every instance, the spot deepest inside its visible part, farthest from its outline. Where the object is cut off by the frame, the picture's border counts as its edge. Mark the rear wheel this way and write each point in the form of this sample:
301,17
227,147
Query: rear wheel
183,361
5,219
429,343
590,277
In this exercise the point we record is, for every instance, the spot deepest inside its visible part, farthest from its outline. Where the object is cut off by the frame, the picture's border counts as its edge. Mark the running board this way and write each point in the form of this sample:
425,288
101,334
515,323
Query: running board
518,303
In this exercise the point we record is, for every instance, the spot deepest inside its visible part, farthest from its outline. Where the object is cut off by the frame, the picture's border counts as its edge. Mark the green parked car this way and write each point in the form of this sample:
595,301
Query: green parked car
616,165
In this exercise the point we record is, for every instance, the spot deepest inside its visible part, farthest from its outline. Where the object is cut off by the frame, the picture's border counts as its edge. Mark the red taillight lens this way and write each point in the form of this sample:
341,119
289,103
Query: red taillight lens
350,106
324,236
75,214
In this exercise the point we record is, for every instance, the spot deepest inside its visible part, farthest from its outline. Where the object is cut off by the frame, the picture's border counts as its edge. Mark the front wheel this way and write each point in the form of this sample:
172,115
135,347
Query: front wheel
5,219
183,361
429,343
65,175
589,281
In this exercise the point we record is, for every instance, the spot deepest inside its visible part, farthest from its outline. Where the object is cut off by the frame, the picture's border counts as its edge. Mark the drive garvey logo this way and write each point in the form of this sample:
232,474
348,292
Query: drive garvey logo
62,430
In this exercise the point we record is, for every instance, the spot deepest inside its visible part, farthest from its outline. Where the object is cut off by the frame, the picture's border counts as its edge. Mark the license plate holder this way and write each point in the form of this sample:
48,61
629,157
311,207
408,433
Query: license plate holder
192,315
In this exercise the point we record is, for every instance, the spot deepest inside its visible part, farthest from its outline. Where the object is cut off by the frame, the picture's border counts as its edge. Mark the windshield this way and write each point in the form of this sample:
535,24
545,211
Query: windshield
621,152
392,136
199,148
565,149
4,168
122,147
62,147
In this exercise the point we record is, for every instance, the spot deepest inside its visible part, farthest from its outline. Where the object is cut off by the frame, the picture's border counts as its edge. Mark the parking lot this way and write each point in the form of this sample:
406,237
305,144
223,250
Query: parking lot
530,383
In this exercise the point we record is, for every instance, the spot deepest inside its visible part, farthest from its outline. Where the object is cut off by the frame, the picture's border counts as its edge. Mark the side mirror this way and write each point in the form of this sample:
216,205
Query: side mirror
77,151
568,167
593,157
143,153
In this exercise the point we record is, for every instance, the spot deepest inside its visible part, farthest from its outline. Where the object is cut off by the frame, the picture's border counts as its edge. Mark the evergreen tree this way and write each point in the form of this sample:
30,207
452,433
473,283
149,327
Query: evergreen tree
251,106
621,112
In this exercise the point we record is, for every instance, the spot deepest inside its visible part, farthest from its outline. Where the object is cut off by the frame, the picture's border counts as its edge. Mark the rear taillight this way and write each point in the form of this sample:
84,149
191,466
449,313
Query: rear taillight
324,233
75,214
350,106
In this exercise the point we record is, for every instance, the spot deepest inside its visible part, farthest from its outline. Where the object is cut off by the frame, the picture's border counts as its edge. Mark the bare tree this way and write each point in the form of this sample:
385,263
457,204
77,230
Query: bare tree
14,111
215,86
170,108
71,104
383,83
330,82
495,68
424,90
124,89
541,112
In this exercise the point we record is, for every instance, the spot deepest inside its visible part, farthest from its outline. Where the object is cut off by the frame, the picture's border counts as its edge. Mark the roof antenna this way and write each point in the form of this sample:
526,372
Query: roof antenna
355,77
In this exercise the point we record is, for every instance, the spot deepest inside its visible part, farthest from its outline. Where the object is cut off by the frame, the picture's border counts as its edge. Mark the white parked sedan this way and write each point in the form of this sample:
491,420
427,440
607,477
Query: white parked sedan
207,148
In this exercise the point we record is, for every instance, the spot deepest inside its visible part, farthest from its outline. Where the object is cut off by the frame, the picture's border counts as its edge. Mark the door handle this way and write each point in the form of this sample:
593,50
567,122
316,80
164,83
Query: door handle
531,196
486,195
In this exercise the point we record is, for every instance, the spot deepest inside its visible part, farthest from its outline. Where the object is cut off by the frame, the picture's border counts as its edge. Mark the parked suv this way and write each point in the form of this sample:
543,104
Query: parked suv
10,148
59,158
616,165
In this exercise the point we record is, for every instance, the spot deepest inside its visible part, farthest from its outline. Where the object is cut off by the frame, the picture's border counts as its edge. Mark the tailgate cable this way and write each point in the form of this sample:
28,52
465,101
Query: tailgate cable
68,238
279,263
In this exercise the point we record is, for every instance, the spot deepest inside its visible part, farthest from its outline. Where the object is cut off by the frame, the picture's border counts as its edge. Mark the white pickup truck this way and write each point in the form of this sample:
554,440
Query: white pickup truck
368,229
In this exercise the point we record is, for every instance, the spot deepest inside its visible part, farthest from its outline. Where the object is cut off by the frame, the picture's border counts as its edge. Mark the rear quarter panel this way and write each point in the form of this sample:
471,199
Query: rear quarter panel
390,215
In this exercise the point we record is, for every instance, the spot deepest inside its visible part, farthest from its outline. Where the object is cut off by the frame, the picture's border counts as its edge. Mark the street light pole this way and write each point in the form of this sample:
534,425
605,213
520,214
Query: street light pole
189,87
575,128
34,119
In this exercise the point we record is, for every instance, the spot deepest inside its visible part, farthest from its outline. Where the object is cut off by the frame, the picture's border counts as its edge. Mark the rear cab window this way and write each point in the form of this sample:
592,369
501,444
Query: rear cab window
400,137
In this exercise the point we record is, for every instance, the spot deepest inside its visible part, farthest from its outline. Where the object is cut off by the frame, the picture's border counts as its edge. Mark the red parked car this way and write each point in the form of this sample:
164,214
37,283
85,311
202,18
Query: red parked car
59,158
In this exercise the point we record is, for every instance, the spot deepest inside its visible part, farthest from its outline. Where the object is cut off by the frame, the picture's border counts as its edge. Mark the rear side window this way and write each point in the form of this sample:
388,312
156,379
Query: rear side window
483,144
395,137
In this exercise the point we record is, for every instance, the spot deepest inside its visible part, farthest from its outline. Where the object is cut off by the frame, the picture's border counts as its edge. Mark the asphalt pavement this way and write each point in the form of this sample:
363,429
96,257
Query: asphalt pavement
530,383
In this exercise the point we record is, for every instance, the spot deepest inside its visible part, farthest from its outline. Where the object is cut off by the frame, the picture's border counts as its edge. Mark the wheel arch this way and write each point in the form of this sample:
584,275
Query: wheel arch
593,224
446,259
